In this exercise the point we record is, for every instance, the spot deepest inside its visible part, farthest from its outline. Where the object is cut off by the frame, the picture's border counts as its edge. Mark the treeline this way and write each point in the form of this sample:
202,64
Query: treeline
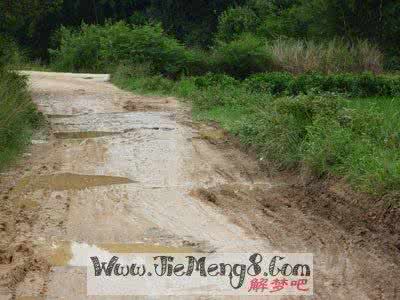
35,24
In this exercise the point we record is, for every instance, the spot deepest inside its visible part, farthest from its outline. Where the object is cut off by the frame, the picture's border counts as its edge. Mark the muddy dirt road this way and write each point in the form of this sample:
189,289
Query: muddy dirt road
122,173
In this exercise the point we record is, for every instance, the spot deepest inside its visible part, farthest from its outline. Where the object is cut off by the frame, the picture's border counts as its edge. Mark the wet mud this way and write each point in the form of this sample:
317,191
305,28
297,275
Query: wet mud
83,134
67,181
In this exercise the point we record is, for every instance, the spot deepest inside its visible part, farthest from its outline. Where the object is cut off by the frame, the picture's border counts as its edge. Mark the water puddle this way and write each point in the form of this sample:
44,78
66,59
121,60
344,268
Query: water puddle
77,254
83,134
67,181
55,116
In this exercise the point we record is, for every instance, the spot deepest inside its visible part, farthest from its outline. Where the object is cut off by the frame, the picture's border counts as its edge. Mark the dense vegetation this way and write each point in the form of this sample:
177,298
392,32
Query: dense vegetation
35,24
310,84
18,116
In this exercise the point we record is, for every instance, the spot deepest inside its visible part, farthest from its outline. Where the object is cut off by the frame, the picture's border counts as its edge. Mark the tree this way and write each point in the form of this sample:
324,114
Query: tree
30,22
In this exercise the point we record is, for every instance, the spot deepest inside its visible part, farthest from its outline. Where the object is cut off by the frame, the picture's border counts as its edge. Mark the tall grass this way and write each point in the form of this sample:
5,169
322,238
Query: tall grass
18,116
335,56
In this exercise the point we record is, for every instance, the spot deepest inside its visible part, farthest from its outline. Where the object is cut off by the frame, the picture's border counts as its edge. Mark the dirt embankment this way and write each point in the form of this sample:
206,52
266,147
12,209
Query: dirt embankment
376,218
323,216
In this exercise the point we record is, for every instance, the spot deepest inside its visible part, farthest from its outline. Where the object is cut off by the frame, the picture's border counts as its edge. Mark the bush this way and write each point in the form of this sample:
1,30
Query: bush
98,48
197,62
10,54
157,83
272,83
242,57
141,44
79,50
220,96
235,21
362,85
213,80
18,116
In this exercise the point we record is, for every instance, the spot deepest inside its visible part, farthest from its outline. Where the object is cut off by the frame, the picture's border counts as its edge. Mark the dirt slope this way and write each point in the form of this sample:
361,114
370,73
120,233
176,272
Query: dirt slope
118,170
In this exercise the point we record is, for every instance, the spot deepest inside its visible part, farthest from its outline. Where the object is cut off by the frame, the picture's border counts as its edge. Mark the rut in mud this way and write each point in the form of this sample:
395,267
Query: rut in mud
120,172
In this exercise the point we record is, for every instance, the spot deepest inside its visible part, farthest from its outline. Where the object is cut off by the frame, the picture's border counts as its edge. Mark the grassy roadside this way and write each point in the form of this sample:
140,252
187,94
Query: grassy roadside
325,133
18,116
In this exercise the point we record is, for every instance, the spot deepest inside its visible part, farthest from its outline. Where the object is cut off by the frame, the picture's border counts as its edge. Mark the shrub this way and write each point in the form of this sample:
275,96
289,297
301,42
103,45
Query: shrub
140,44
354,85
157,83
213,80
197,62
79,51
98,48
272,83
10,54
242,57
219,96
186,88
235,21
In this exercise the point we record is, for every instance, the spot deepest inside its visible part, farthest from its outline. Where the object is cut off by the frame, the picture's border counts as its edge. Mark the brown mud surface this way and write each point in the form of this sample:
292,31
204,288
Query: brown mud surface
160,183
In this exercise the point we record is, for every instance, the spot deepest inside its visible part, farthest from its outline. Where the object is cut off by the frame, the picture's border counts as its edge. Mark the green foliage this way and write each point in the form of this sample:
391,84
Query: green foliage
236,21
79,51
140,77
10,54
362,85
241,57
33,22
96,48
326,146
317,132
141,44
30,22
274,83
213,80
193,22
197,62
18,116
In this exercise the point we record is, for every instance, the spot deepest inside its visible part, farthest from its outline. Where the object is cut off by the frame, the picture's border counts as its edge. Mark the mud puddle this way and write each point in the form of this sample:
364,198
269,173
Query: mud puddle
67,181
97,134
76,254
83,134
58,116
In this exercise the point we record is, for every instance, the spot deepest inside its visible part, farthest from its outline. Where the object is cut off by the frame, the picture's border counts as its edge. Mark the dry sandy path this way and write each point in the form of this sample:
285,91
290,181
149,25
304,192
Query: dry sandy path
119,169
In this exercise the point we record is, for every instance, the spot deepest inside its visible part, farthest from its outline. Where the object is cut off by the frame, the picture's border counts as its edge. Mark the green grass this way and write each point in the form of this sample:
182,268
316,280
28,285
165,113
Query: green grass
358,139
18,116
